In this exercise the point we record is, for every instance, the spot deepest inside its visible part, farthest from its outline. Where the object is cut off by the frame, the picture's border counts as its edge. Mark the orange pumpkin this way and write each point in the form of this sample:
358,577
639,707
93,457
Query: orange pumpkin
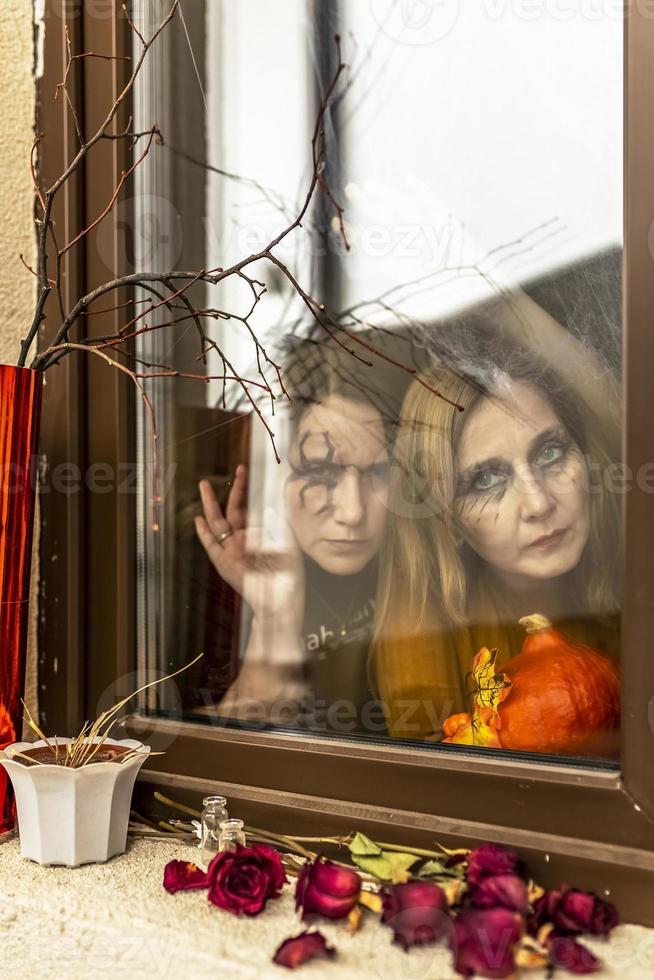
564,696
556,696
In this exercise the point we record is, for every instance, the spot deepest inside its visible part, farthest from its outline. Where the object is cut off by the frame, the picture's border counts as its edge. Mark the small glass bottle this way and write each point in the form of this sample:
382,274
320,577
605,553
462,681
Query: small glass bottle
231,834
213,815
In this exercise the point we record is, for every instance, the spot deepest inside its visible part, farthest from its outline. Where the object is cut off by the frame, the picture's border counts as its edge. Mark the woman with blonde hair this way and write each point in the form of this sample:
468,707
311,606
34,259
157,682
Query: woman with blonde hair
499,508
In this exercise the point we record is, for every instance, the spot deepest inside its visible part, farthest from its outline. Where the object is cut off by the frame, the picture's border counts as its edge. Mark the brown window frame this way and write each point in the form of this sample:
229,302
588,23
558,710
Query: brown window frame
589,826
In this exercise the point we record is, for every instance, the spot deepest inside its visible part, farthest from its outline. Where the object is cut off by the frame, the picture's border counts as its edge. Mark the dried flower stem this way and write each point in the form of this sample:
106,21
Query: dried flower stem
176,805
289,842
340,841
81,750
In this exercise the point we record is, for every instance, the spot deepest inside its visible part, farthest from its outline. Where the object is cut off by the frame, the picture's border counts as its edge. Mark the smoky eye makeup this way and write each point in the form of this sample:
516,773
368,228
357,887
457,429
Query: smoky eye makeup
551,447
491,477
488,477
377,471
317,474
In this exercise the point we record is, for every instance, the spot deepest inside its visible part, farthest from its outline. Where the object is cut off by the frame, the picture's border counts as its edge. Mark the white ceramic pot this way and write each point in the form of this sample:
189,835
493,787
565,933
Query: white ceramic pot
73,816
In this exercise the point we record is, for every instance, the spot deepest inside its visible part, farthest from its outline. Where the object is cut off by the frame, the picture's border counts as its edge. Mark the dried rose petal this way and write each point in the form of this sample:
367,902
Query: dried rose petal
325,888
572,912
296,950
501,891
566,953
489,860
181,876
416,912
454,860
483,942
243,880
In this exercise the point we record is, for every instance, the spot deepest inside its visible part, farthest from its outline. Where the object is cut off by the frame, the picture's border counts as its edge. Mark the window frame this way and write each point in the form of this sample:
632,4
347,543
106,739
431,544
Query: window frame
592,827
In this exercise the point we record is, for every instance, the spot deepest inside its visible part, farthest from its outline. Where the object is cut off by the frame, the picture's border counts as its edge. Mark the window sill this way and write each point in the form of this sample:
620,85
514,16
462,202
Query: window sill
54,923
558,817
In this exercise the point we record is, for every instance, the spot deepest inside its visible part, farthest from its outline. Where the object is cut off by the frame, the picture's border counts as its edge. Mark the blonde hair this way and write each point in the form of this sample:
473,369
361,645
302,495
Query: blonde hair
425,572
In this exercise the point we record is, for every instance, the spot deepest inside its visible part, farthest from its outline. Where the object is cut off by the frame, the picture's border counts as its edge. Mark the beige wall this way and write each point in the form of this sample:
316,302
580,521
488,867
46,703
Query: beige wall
17,290
16,198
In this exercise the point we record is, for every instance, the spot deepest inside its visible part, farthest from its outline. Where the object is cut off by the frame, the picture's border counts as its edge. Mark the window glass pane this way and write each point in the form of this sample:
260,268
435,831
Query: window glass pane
402,520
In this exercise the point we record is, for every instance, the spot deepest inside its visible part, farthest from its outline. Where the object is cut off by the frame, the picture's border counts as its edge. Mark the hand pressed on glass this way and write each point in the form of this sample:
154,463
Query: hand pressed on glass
270,581
272,584
311,586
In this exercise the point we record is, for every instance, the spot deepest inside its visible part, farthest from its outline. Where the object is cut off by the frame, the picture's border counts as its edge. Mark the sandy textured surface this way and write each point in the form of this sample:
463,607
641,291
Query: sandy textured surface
116,920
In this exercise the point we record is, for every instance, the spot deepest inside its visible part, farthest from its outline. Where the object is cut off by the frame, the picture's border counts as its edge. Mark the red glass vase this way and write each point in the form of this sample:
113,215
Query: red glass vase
20,404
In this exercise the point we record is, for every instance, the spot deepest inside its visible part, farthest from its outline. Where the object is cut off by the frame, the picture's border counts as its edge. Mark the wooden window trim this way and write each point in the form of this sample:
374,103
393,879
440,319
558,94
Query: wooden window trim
87,574
592,827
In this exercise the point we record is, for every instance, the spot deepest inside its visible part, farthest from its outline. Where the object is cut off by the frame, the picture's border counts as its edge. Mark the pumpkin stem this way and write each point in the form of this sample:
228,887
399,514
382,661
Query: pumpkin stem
535,623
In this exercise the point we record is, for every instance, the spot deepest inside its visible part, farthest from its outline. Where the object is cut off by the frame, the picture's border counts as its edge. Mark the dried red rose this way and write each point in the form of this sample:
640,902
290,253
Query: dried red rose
297,950
181,876
501,892
243,880
416,912
566,953
483,942
572,911
489,860
325,888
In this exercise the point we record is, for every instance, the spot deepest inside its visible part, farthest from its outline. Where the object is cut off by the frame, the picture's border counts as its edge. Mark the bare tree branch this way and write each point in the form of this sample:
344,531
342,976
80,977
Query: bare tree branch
47,198
114,197
169,289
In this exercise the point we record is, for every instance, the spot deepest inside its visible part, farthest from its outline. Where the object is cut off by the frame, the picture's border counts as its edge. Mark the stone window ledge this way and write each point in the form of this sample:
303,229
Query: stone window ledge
116,920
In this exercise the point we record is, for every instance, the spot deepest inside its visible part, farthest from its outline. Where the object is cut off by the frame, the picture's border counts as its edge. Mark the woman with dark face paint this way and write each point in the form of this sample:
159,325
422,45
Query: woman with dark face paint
500,509
311,590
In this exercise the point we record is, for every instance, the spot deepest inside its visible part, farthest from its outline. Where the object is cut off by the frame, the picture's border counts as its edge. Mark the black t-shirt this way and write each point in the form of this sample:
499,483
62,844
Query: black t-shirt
337,633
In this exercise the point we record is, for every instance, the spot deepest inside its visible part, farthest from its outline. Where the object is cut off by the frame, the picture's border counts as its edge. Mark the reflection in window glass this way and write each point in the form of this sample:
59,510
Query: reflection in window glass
436,555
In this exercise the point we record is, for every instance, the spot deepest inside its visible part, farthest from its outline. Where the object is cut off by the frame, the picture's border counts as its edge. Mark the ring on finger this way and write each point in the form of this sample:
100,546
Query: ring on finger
226,534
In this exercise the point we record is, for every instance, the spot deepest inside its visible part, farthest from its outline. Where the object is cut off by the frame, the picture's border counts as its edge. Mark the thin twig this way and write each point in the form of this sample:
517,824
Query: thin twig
114,197
175,805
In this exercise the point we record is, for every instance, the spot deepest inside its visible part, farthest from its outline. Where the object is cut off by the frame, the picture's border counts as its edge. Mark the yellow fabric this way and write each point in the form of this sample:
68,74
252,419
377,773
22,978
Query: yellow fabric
423,677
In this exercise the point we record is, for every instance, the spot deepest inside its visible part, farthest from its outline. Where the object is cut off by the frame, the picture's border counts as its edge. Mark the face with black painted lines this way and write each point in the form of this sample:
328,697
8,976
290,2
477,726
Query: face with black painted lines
337,490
